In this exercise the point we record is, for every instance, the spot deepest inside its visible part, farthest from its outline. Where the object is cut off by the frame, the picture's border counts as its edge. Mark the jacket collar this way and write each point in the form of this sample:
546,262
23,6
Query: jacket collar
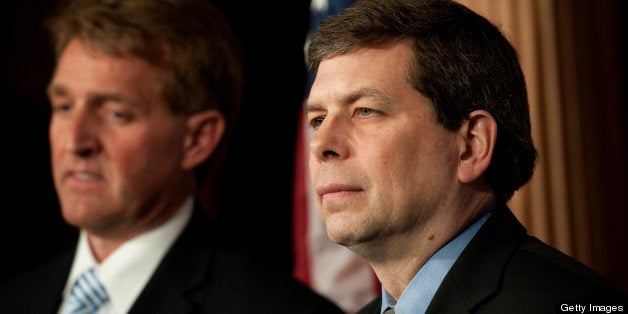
483,260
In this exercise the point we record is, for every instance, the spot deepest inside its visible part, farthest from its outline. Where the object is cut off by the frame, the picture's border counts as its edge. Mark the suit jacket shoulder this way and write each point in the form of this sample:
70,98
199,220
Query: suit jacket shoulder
198,274
505,270
202,274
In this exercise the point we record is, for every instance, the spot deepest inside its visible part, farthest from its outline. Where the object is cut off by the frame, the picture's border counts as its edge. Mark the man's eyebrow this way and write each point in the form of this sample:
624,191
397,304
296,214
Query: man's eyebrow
365,92
55,90
370,93
311,106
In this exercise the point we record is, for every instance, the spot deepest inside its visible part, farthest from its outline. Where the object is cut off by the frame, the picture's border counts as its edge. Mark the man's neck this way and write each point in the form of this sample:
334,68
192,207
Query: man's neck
397,258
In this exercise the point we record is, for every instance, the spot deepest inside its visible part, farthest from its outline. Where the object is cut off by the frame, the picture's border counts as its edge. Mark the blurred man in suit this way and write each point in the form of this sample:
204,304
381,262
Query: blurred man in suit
143,96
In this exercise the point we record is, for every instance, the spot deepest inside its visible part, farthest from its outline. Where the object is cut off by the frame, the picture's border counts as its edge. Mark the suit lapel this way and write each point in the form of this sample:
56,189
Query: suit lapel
58,272
482,261
184,268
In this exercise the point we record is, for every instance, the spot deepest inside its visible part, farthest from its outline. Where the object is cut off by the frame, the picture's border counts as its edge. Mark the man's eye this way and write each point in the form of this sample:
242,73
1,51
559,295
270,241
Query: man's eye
120,115
61,107
316,122
365,111
117,115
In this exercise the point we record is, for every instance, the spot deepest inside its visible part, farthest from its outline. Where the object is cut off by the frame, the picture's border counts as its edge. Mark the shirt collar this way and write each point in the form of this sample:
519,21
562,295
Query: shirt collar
127,270
421,289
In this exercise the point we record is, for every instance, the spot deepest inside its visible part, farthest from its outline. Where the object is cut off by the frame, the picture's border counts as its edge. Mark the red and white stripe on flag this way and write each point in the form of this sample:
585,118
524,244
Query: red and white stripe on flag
326,267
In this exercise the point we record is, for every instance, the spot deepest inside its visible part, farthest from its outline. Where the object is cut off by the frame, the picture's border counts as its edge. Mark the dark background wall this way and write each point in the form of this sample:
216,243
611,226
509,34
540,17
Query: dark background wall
31,227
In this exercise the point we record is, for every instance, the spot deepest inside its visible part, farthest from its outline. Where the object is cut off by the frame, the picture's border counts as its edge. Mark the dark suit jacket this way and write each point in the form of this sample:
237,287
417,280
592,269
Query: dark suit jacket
504,270
197,275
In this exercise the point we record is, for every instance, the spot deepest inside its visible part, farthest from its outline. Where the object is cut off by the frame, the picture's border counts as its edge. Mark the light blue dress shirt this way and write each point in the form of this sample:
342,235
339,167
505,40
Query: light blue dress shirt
421,289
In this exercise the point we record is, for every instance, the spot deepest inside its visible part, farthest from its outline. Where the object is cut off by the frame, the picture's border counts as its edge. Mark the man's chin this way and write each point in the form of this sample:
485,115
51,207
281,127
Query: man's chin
345,237
341,239
80,213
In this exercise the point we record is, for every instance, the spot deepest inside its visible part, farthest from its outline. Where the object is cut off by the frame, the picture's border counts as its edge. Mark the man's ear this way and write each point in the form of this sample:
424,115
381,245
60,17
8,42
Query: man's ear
204,131
477,140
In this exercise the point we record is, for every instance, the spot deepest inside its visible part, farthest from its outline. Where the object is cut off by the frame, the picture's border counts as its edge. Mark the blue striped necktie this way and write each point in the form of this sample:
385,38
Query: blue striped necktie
87,296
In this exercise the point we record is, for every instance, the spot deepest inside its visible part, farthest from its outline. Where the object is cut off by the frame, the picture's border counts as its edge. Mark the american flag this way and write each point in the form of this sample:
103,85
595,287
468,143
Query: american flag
326,267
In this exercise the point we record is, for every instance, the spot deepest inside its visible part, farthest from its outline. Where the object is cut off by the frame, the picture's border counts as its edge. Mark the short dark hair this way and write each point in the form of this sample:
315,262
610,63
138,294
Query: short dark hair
462,62
190,40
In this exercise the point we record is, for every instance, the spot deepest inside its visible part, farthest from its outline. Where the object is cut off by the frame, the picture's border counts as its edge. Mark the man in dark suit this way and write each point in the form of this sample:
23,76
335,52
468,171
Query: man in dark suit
421,136
143,96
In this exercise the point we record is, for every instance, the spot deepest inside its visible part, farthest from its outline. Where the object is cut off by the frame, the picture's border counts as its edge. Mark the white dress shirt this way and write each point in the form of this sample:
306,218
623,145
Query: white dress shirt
127,270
